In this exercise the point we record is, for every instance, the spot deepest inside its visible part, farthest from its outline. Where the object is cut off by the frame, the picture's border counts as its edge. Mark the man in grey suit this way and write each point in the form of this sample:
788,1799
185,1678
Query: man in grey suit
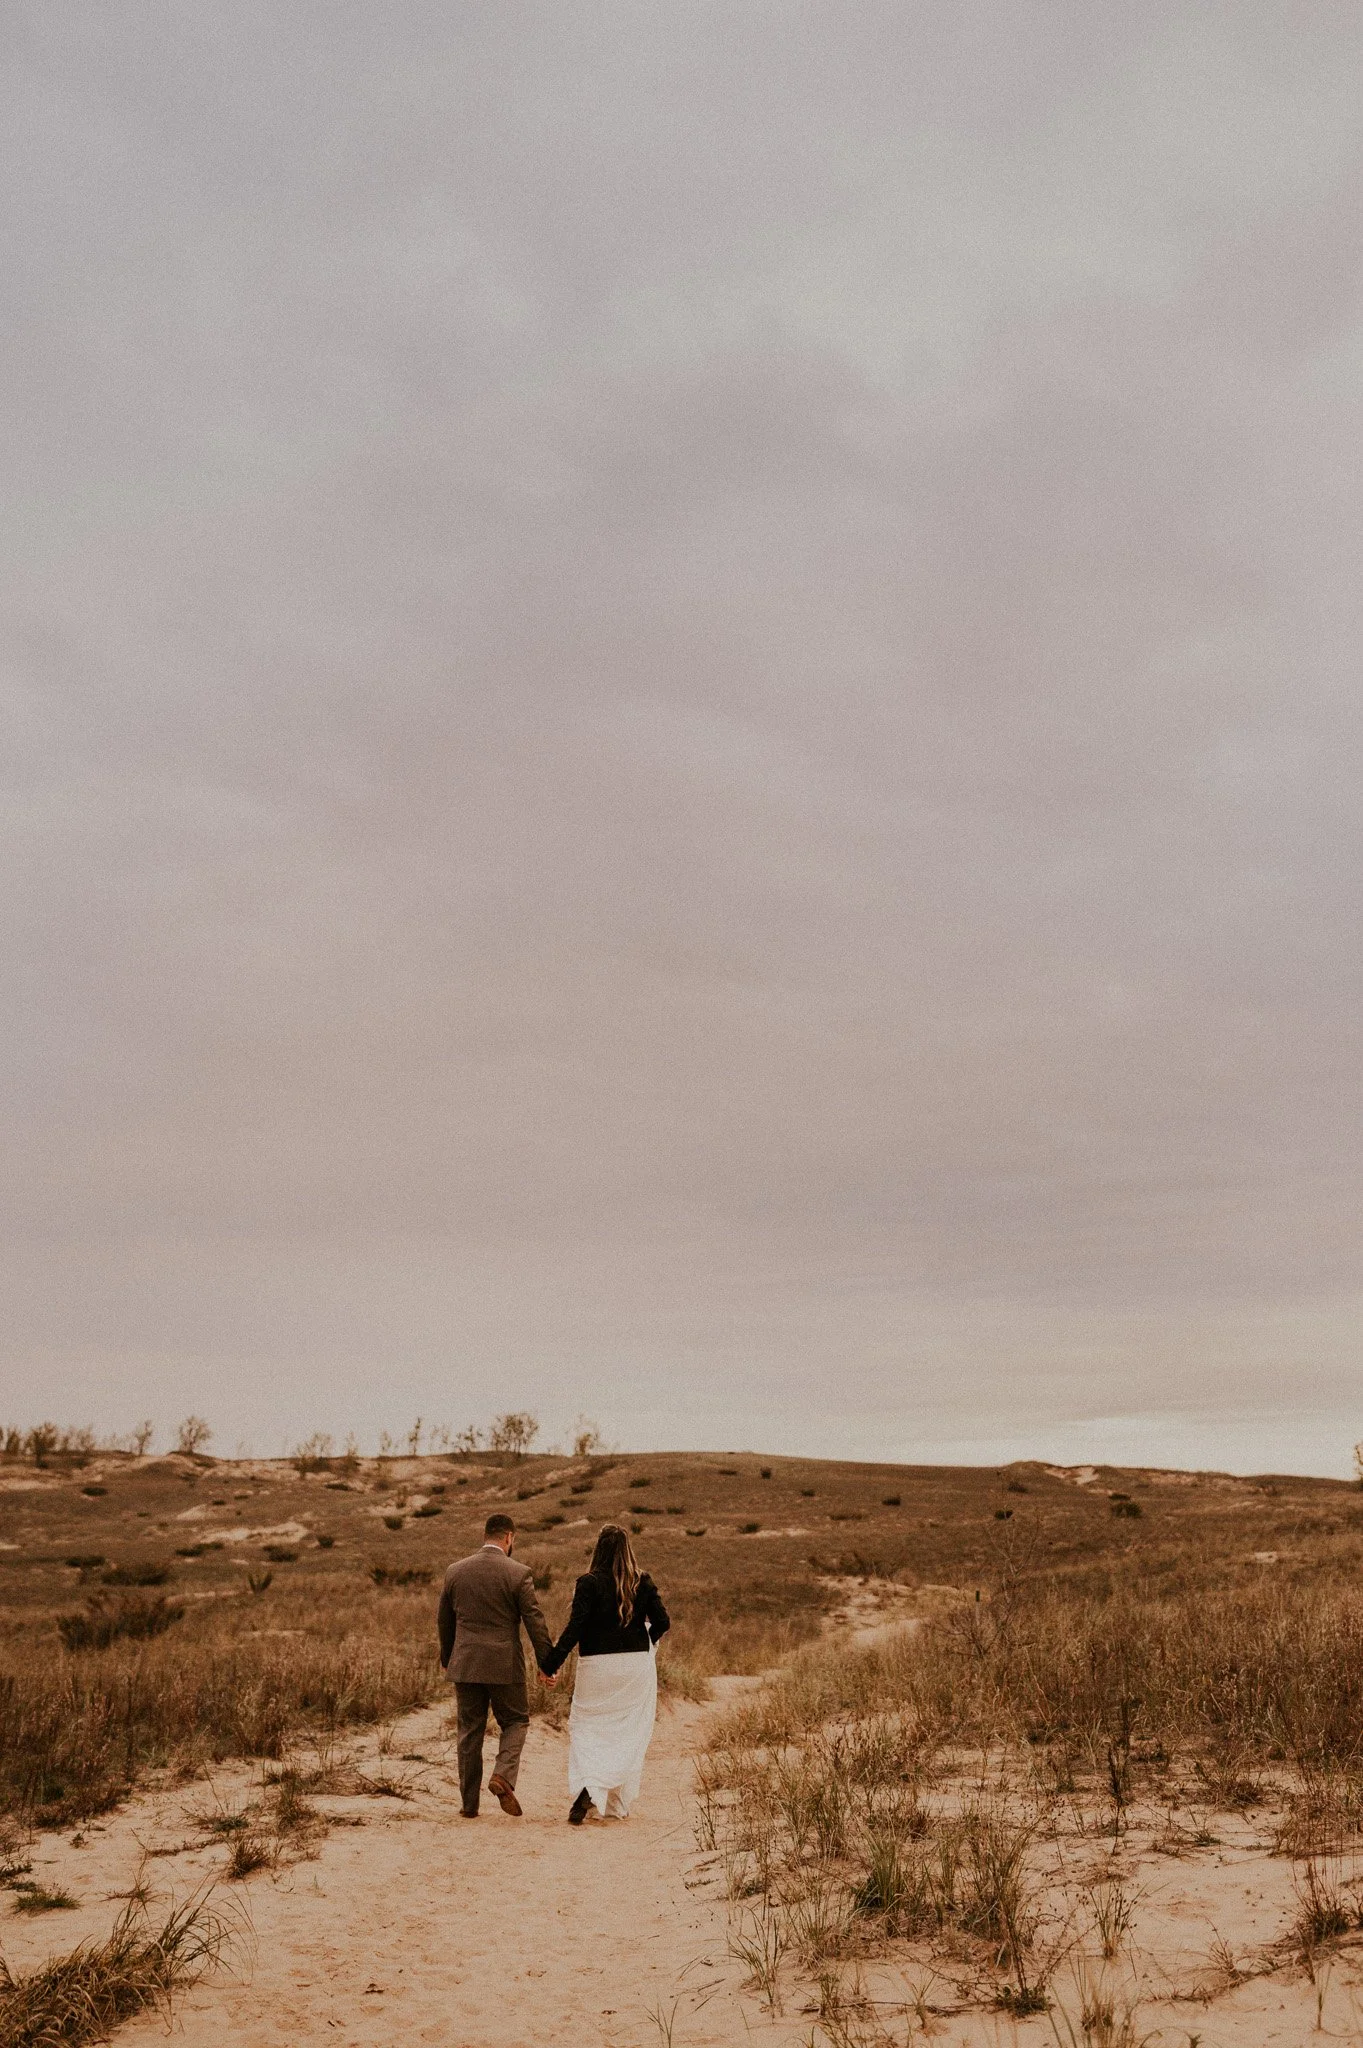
483,1602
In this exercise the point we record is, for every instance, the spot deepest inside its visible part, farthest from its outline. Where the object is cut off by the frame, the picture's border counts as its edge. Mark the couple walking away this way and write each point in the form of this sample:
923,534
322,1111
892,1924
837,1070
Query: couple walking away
615,1624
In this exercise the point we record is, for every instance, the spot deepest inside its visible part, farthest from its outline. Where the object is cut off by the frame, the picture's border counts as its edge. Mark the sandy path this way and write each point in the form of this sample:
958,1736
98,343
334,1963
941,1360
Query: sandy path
419,1926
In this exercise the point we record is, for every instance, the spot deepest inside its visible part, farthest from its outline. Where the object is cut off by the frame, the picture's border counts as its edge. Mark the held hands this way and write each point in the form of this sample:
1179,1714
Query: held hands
549,1678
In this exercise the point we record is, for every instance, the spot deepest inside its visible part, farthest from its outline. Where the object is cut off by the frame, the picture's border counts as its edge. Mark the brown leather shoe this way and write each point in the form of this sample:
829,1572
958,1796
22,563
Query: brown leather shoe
504,1796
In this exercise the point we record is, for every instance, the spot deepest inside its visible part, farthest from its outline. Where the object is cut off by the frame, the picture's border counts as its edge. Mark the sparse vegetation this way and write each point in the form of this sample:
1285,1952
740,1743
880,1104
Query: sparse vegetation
83,1996
39,1898
918,1792
192,1436
514,1433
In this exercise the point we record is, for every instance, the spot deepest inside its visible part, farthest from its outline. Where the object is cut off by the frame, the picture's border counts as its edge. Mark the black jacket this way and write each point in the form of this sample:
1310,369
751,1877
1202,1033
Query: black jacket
594,1625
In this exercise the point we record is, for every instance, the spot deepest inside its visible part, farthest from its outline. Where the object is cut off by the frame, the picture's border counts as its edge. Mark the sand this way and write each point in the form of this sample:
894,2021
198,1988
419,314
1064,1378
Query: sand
410,1924
419,1926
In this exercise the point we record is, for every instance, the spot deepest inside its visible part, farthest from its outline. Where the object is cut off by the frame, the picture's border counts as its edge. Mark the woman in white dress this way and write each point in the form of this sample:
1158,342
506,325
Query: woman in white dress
615,1624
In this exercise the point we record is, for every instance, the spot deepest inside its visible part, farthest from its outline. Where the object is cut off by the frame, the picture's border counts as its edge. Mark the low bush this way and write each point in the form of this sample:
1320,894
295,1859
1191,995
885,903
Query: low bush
103,1622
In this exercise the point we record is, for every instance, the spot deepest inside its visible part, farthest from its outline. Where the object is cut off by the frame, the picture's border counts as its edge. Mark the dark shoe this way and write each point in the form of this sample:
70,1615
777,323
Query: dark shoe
504,1796
580,1808
469,1813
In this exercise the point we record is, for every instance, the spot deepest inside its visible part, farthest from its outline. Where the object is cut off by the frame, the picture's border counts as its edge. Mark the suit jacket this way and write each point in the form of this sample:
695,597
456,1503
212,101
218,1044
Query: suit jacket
483,1602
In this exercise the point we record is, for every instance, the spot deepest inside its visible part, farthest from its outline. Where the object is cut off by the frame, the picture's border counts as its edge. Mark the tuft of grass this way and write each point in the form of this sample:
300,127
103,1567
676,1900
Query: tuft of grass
252,1849
37,1898
400,1575
1106,2016
280,1553
81,1997
759,1942
223,1826
86,1560
138,1575
1322,1914
1114,1911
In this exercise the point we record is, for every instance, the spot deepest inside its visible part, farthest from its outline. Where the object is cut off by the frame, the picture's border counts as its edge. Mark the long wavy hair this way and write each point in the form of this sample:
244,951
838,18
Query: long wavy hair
614,1558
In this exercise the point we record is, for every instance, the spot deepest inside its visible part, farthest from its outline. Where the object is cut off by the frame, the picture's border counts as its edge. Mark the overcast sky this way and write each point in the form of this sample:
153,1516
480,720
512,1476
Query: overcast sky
680,722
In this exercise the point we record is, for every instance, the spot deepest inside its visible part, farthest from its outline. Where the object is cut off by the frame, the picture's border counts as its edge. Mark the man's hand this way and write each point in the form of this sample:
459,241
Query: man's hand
549,1678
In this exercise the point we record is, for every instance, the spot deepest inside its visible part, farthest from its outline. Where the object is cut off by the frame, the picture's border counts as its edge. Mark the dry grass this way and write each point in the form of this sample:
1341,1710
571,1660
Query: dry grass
286,1604
296,1608
1259,1673
919,1790
78,1732
83,1996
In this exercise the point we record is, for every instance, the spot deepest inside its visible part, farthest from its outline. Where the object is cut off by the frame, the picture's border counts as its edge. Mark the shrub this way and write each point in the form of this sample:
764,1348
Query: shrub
102,1624
514,1432
313,1455
137,1575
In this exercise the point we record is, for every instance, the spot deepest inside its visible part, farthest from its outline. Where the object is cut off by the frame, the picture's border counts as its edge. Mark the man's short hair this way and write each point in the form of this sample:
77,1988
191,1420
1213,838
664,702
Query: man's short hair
499,1525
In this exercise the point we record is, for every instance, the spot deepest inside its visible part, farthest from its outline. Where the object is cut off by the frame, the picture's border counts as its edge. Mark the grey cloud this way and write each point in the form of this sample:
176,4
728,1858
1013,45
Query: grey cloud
680,718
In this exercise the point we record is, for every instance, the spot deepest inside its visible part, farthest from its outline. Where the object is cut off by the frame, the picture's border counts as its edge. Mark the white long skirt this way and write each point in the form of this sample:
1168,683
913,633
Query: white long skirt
615,1701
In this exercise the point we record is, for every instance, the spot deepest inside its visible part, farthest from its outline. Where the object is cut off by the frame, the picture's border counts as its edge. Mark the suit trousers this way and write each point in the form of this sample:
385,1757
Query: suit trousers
512,1713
